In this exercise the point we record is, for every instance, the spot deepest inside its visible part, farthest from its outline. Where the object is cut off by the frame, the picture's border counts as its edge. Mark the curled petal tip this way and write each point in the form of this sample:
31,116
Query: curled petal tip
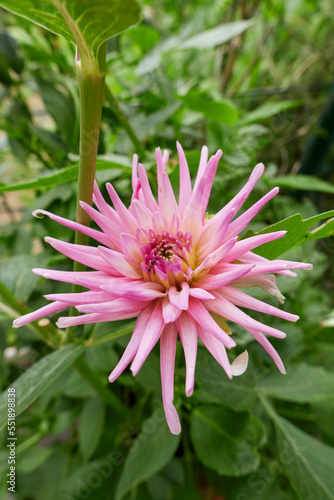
39,213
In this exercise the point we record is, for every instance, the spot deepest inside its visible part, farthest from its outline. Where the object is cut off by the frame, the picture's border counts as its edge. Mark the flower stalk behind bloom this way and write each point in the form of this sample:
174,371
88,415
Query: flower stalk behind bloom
178,273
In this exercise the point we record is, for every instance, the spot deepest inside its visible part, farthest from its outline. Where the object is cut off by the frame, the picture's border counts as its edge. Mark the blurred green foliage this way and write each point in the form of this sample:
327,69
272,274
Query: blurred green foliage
255,79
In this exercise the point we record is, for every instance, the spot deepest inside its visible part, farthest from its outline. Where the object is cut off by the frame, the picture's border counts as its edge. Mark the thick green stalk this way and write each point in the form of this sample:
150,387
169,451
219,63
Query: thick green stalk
91,98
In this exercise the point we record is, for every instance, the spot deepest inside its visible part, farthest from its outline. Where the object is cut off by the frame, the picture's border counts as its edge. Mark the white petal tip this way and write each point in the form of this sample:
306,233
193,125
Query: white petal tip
61,323
175,430
17,323
37,270
189,390
239,365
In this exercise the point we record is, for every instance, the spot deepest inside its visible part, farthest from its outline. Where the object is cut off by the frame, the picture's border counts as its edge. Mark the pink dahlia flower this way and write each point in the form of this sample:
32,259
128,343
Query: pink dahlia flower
177,271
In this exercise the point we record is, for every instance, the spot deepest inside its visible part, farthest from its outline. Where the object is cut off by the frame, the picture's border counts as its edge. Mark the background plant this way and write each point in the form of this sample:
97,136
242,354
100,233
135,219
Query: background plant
252,78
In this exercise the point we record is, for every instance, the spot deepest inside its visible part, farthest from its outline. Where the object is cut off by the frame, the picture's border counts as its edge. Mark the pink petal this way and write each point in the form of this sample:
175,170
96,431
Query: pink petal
185,181
210,173
201,315
151,336
88,256
130,246
253,257
107,224
170,312
119,305
40,313
214,281
103,206
261,339
241,197
227,310
167,361
168,203
146,189
179,299
128,220
75,299
66,322
241,222
266,282
239,298
247,244
146,291
134,177
201,294
222,253
217,349
93,233
159,222
210,243
142,214
69,276
118,261
202,165
188,334
132,347
95,283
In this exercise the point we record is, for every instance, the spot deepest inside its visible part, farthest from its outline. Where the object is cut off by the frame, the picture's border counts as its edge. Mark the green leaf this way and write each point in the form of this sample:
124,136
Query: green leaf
265,483
297,233
223,111
300,182
37,378
227,441
87,24
62,108
302,384
89,435
267,110
33,459
117,165
215,387
216,36
205,40
308,462
17,276
152,450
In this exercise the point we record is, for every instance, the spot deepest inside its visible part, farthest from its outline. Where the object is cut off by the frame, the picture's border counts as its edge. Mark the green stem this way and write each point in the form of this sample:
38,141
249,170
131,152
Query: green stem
111,336
91,98
107,396
49,333
124,122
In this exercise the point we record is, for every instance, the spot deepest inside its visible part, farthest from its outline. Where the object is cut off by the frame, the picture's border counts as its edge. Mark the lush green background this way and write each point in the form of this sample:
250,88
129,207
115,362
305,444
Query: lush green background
255,79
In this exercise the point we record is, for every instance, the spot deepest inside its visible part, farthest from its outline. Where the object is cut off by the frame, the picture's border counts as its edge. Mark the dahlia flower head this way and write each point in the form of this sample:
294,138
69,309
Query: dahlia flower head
178,271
